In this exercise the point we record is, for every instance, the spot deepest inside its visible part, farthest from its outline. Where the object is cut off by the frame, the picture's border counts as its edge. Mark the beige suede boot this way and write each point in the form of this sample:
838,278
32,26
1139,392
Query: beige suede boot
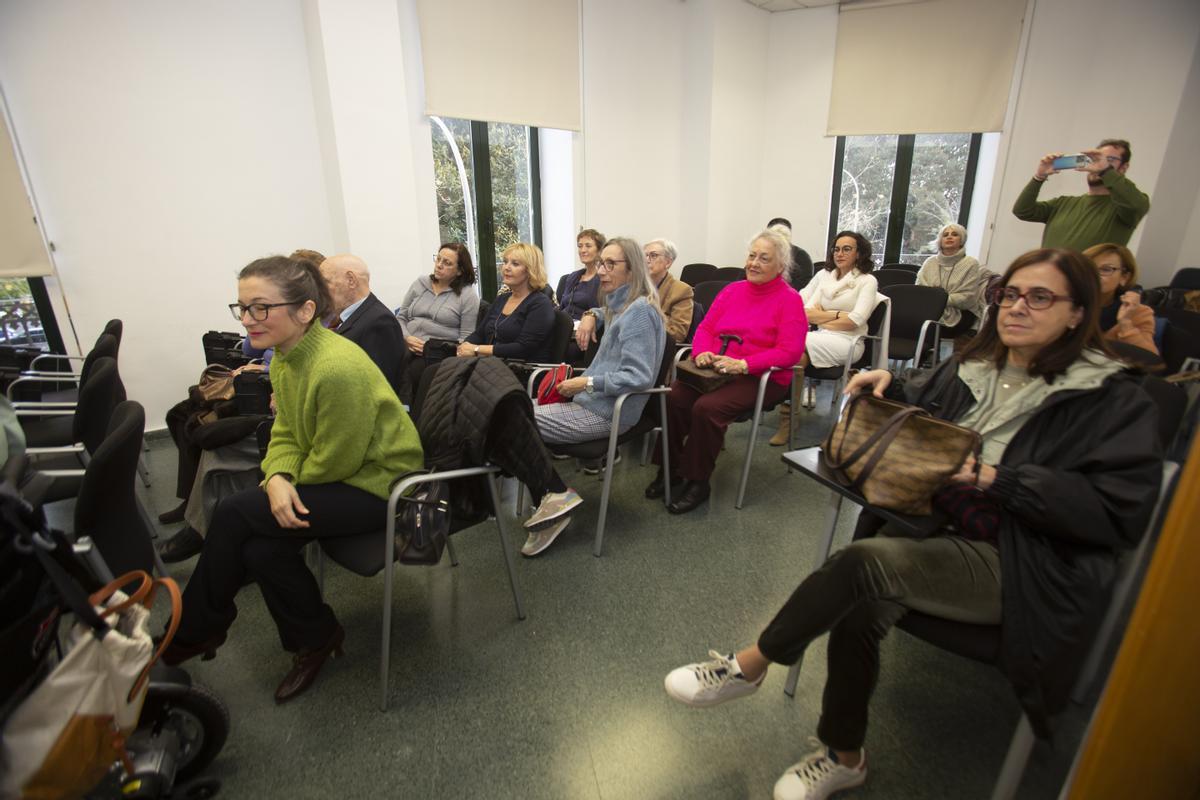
785,426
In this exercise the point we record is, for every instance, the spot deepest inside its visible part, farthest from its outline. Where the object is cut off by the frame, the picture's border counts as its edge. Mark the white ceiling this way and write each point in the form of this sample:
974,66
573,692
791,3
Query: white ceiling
790,5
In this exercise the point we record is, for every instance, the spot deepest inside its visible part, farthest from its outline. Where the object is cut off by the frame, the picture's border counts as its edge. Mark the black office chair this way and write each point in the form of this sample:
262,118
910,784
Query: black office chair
698,311
1186,278
1178,347
484,305
106,509
894,277
560,335
1181,318
60,385
696,274
915,314
707,292
913,268
730,274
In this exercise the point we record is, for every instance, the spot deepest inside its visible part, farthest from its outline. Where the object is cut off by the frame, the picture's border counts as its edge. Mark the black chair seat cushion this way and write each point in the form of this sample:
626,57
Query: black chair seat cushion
976,642
361,554
598,448
49,431
903,349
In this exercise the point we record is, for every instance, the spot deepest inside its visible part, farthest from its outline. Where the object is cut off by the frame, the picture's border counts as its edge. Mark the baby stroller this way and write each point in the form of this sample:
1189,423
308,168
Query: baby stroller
180,726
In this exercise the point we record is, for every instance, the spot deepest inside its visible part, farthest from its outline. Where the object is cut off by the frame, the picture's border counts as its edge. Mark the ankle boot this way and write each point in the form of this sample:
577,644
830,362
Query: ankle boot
785,426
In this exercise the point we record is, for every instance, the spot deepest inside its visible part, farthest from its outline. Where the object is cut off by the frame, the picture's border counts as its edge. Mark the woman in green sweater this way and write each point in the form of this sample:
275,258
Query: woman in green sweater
339,439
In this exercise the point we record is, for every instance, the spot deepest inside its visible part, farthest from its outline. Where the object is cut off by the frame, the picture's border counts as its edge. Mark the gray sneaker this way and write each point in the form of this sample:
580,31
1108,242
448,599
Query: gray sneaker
543,537
818,776
553,506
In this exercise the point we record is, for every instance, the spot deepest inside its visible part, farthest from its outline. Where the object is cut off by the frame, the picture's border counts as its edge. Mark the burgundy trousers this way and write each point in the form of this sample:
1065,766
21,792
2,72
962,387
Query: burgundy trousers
696,422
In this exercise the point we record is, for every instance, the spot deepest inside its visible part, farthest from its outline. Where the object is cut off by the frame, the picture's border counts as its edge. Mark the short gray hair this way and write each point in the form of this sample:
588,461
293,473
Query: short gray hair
782,247
668,247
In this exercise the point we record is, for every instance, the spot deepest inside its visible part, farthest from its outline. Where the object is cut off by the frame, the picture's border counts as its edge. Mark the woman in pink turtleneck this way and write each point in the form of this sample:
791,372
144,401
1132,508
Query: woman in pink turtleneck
768,315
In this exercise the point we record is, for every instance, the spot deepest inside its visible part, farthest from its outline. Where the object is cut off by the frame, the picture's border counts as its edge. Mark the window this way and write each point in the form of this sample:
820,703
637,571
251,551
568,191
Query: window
488,197
898,191
20,318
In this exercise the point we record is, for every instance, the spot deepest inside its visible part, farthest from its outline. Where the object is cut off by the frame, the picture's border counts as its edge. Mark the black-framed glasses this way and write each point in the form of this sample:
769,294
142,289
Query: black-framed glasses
610,264
1038,299
257,311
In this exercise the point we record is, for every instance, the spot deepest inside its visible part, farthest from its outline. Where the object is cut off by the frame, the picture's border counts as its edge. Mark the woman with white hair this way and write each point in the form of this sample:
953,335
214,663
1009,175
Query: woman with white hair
962,278
627,360
674,296
766,319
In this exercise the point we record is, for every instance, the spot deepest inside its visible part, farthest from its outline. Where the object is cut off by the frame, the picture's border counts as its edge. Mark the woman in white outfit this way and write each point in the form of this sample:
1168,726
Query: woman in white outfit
839,300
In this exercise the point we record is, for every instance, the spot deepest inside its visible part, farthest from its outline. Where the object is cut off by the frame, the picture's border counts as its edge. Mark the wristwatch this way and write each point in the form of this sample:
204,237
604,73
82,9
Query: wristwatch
475,352
591,384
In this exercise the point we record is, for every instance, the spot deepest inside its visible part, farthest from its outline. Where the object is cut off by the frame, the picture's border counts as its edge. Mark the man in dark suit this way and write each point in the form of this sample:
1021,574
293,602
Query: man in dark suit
362,318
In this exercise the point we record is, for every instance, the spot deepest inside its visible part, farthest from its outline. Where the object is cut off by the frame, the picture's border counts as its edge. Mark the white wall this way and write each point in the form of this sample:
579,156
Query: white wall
797,164
1126,80
168,145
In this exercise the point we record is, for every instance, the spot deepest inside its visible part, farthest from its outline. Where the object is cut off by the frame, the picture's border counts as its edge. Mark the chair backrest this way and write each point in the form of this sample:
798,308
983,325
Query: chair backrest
1178,346
731,274
1171,401
560,335
894,277
878,328
912,306
696,274
697,317
106,508
1181,318
706,292
115,328
1186,278
106,346
98,398
484,305
910,267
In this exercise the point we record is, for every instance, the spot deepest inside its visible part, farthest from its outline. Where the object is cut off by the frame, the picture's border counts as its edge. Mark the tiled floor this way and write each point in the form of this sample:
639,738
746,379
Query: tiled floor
569,703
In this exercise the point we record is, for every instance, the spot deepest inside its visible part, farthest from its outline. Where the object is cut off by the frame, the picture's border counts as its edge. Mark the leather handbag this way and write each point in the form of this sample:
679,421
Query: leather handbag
705,379
216,383
547,390
439,349
423,522
894,454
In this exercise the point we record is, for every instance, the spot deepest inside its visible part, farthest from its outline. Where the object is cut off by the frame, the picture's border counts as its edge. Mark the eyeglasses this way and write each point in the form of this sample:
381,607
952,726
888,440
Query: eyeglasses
443,262
761,258
846,248
1108,272
257,311
1036,299
1115,160
652,255
608,265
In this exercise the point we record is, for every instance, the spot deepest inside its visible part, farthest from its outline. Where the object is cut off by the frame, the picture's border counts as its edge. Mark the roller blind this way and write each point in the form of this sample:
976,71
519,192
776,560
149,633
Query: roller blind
516,61
23,254
931,66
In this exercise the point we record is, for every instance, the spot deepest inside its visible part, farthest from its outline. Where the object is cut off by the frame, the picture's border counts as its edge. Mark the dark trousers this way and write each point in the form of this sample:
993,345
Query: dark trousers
859,594
245,544
189,452
697,422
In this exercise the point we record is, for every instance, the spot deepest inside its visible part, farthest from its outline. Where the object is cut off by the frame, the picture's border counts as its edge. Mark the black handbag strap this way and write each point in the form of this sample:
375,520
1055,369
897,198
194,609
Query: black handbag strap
72,593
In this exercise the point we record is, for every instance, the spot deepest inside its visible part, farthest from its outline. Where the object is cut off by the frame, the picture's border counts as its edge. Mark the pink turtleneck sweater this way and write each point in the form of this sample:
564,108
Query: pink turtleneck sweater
770,319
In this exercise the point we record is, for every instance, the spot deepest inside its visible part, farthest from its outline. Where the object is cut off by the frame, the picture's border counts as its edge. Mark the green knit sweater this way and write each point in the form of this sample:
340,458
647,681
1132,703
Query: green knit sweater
337,419
1080,221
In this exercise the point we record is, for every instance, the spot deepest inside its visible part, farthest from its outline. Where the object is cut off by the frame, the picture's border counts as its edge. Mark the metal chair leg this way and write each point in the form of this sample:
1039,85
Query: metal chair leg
143,470
793,677
494,491
450,552
758,407
666,453
1009,779
833,511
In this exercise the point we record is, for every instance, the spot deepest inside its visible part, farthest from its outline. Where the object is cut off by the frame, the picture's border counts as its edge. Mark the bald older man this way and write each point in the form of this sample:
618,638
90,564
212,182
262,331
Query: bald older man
362,318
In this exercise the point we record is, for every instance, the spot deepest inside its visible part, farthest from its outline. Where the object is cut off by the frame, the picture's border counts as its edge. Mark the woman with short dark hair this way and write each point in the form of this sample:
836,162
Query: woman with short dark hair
1068,476
339,440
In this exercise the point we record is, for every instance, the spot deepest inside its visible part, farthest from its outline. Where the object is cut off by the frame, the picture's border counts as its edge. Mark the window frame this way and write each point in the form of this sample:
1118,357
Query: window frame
901,177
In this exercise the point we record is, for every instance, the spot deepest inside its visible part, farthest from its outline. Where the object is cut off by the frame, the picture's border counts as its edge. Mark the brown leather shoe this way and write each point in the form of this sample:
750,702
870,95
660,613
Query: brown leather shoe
305,666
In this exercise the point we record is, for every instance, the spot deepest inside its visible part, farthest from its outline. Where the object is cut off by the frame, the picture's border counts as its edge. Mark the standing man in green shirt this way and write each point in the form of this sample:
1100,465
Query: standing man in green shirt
1109,212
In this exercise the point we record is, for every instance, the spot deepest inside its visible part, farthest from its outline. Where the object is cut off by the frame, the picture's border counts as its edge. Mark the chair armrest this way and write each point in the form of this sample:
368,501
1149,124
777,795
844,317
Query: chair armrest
65,449
45,412
61,473
49,356
34,405
64,377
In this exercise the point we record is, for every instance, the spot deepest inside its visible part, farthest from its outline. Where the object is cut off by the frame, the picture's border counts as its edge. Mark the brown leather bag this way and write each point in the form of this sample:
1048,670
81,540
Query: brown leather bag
216,383
705,379
894,454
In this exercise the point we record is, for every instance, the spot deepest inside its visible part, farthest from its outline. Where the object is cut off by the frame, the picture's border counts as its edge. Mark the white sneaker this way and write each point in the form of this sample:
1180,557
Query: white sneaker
709,683
553,506
818,776
543,537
